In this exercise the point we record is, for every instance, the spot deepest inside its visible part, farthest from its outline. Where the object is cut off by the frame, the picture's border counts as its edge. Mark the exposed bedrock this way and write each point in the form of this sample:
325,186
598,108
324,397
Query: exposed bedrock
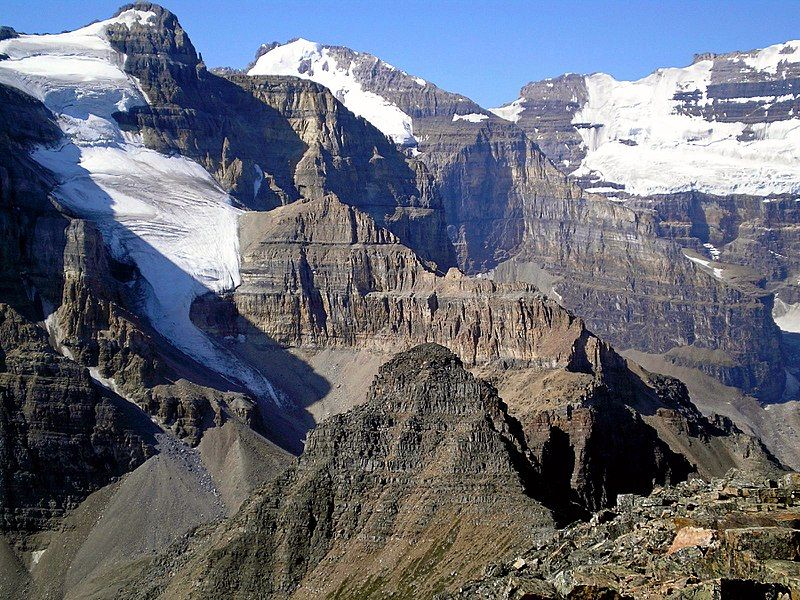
271,141
641,292
419,485
505,201
320,275
65,430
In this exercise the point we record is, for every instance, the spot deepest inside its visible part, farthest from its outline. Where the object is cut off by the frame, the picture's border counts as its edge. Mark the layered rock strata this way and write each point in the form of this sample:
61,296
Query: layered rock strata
403,495
273,141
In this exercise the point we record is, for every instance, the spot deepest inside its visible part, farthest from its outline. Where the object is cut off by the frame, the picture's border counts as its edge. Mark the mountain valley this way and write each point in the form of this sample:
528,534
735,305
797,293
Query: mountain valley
319,328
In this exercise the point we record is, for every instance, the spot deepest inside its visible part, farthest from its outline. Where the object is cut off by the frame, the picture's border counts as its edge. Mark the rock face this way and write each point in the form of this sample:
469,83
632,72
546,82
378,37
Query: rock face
711,180
404,494
731,538
272,141
347,157
322,274
505,201
59,439
545,110
319,275
484,168
642,292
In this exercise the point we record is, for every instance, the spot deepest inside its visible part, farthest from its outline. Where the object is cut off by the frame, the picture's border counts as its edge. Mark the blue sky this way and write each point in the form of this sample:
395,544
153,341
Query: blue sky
485,50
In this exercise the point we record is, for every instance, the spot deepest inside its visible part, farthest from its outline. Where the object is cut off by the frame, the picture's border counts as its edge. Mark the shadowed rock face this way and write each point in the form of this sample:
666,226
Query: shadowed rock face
428,478
486,169
59,440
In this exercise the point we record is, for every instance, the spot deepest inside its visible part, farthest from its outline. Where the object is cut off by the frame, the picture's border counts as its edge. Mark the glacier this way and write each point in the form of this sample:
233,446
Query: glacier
165,214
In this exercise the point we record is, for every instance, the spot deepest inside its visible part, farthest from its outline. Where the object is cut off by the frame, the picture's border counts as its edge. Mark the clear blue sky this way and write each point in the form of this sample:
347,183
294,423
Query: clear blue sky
485,50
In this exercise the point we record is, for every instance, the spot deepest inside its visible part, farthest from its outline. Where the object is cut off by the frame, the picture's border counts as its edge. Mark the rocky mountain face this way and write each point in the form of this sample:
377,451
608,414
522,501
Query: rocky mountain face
709,120
430,475
640,291
504,201
82,380
704,154
179,247
277,143
484,168
320,275
60,439
545,110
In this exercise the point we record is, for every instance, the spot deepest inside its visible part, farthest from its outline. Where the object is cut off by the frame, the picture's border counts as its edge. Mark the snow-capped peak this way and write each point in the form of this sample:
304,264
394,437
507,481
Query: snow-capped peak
164,213
311,60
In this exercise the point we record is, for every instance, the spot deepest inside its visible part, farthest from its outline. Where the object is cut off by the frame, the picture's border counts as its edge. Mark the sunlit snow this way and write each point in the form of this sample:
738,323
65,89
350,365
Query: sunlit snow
309,60
715,271
769,59
638,139
166,214
510,112
786,316
472,118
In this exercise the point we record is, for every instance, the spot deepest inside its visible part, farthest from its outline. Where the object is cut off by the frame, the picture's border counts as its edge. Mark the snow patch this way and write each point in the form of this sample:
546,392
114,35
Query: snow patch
712,250
310,60
510,112
259,180
471,117
715,271
634,136
769,59
36,556
786,316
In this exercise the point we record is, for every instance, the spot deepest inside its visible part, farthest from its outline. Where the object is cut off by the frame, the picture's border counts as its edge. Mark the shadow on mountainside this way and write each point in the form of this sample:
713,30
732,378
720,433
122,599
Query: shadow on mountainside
172,337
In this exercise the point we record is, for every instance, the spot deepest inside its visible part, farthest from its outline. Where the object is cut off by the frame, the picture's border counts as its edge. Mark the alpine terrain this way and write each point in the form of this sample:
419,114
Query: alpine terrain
318,328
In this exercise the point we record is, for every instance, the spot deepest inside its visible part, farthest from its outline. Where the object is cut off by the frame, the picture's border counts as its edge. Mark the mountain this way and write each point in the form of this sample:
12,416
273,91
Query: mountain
238,355
705,151
723,125
511,213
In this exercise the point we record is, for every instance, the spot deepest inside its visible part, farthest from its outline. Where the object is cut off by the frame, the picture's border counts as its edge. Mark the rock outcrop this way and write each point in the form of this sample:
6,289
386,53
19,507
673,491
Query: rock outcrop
59,439
403,495
320,275
732,538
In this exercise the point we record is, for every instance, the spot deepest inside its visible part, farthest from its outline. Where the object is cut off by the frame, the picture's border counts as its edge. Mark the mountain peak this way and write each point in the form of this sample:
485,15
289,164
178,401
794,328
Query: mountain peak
336,68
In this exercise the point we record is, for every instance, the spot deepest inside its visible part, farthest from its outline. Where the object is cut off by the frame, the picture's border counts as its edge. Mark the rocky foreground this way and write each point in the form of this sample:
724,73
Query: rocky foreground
733,537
